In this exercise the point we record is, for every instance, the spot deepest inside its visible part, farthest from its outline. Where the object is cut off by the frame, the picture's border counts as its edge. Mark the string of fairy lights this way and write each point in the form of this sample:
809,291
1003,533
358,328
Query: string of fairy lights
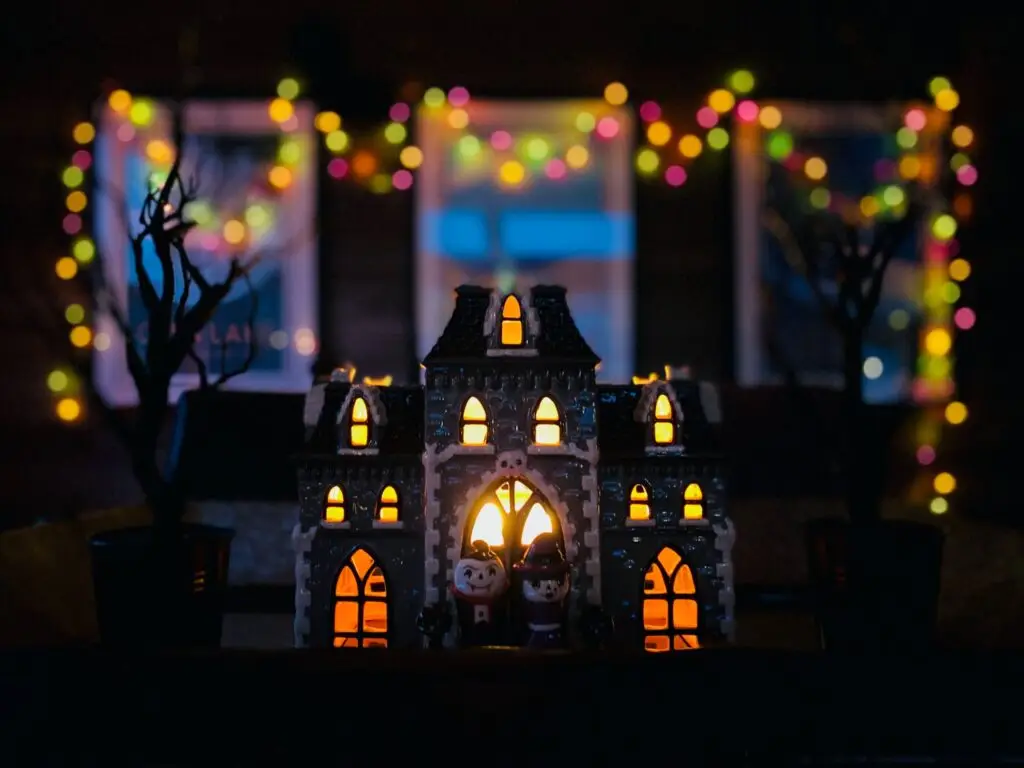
385,159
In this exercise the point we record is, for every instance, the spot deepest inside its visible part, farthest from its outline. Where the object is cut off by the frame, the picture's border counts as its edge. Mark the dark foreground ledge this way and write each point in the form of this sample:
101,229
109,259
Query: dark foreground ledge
73,707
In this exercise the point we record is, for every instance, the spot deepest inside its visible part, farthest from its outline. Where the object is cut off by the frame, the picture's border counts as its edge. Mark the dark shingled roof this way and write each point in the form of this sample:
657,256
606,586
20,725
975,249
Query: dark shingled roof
401,435
621,435
464,341
237,446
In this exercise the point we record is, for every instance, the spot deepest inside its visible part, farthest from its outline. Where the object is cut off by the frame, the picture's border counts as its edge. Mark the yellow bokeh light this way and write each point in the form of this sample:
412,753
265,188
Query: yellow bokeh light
280,110
721,101
869,206
959,269
939,506
411,157
616,94
120,100
66,268
770,118
577,157
325,122
937,84
68,409
512,172
57,381
290,152
434,98
956,413
647,161
910,167
76,202
962,137
159,151
72,177
741,81
336,141
458,119
141,113
815,168
280,177
234,231
944,483
690,146
938,342
74,313
83,133
395,133
84,250
288,88
947,99
659,133
80,336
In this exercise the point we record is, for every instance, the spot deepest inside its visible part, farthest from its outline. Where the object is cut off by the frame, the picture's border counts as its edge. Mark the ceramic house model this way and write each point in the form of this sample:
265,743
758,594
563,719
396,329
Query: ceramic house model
511,437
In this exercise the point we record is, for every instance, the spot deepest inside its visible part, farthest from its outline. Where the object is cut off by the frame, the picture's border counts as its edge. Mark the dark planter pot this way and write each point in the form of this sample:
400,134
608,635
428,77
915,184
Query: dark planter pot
157,593
875,587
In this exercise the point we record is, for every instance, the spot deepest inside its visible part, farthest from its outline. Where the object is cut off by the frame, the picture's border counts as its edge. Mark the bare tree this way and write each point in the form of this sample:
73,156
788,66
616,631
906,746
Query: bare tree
855,261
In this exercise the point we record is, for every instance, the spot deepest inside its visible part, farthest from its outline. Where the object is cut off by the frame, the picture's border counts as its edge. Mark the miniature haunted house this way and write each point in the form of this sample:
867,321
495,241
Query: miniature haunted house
512,467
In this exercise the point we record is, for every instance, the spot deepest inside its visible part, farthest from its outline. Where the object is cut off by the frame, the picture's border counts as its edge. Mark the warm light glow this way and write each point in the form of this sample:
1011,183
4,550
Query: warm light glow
489,525
938,342
364,164
474,422
670,613
538,521
120,100
81,336
280,177
68,409
947,99
387,508
690,146
411,157
639,503
721,101
664,424
693,508
959,269
280,110
944,483
83,133
511,322
141,113
66,268
962,137
337,141
334,509
546,428
956,413
325,122
815,169
512,173
234,232
458,119
659,133
616,94
76,202
770,118
576,157
359,431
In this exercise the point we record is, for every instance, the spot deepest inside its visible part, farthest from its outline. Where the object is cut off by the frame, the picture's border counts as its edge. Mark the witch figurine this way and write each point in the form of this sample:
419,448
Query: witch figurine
545,585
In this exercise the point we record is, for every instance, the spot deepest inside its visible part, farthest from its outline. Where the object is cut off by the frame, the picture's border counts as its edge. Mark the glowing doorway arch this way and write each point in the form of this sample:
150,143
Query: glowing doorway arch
509,516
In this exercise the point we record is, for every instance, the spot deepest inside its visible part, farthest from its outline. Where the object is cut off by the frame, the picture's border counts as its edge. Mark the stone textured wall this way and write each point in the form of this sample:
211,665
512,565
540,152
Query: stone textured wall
627,551
261,552
397,549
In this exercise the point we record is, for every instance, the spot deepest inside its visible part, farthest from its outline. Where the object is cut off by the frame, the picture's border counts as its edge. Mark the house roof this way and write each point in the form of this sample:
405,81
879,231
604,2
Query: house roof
558,339
621,435
236,445
402,432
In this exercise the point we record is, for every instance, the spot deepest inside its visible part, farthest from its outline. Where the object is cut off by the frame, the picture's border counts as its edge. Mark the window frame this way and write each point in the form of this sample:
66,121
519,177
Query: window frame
684,635
360,635
558,421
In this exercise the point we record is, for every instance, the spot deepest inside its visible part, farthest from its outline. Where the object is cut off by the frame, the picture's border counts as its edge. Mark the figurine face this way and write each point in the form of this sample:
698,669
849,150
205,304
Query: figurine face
550,590
480,578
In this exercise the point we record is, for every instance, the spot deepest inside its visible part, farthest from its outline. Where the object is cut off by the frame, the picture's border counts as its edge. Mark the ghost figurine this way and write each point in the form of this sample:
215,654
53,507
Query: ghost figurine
545,585
478,590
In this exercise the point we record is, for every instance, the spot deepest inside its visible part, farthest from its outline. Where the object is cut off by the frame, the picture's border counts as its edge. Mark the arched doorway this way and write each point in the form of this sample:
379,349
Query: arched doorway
669,604
509,516
361,603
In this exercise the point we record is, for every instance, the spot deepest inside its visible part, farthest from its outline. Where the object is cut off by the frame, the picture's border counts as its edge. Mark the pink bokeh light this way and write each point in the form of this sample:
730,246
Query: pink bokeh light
650,111
458,96
967,175
964,318
915,119
402,179
81,159
555,169
399,112
675,175
747,111
501,140
337,168
707,117
925,455
608,128
72,224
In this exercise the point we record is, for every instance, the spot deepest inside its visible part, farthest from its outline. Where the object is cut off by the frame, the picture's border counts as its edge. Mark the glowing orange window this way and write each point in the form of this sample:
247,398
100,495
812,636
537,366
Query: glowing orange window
547,428
669,604
361,604
334,507
664,421
693,502
359,423
387,506
639,502
473,430
511,322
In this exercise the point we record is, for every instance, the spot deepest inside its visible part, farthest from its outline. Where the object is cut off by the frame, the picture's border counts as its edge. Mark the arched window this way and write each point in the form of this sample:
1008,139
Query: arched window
473,430
547,428
334,506
664,421
509,518
359,423
387,505
361,604
669,604
693,502
639,502
511,322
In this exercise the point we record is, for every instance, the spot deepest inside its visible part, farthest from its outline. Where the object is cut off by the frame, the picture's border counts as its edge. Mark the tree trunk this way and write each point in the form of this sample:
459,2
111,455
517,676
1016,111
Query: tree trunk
861,494
161,495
